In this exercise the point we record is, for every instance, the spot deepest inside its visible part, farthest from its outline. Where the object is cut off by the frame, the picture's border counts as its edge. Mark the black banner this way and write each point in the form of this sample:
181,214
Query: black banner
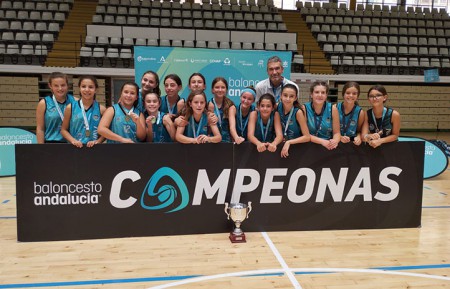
126,190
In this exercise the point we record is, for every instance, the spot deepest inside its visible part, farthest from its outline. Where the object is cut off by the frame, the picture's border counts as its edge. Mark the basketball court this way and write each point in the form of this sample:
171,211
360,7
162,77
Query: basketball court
350,259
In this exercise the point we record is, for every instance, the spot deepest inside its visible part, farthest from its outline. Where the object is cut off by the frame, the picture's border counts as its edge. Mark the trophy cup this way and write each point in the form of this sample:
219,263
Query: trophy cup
238,213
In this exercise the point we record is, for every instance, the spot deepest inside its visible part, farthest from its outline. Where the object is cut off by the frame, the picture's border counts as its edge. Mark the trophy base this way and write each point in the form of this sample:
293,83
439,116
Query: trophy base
237,238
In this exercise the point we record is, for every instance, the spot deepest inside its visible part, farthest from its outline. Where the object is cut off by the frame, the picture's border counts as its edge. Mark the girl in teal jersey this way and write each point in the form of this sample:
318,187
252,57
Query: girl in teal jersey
81,119
50,110
351,116
382,124
239,117
159,125
221,106
293,121
322,118
264,126
149,82
123,123
197,129
172,103
196,84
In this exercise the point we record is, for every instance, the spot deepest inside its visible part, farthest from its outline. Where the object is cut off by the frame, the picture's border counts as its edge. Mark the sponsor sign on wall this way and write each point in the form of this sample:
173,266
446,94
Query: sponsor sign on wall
9,137
241,68
65,193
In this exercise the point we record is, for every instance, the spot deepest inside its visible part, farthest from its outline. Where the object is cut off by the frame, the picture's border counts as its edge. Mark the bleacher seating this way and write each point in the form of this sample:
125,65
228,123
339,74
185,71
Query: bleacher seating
176,25
27,26
172,14
413,37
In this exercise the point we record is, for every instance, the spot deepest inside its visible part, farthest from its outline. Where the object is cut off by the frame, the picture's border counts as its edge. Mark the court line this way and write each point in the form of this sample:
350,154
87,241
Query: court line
260,273
280,259
373,271
309,270
95,282
414,267
218,276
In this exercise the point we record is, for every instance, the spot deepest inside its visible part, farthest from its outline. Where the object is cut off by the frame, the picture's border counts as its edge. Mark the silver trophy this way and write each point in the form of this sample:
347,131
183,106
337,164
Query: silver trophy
238,213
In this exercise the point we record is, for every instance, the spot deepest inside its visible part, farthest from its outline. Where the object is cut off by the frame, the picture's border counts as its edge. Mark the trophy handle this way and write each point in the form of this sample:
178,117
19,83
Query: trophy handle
249,208
226,211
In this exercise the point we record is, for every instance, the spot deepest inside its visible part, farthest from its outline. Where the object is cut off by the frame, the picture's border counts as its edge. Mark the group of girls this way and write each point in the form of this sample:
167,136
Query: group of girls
63,118
142,115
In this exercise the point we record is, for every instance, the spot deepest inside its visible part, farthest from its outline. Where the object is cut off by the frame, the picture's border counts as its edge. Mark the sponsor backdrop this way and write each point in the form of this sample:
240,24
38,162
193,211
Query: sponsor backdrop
436,160
240,68
170,189
9,136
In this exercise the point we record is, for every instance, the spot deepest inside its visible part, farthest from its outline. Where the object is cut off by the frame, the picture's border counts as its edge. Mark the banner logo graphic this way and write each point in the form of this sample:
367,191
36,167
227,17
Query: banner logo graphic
166,195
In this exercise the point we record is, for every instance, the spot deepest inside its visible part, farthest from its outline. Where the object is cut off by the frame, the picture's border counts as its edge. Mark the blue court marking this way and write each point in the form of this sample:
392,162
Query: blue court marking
415,267
264,274
176,278
311,273
392,268
5,201
6,217
442,193
97,282
428,188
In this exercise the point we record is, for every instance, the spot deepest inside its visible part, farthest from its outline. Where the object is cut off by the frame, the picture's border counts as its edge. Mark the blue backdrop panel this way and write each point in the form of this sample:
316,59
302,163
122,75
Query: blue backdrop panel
9,137
240,68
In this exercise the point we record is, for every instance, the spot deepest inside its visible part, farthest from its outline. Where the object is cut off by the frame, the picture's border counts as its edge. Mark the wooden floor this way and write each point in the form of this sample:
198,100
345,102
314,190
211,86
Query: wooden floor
405,258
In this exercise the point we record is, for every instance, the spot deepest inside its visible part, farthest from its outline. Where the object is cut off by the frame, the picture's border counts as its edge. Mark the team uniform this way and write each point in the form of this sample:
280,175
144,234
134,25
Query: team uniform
193,129
291,127
223,123
320,125
383,125
53,118
165,106
140,105
242,122
160,133
78,128
265,132
349,122
122,124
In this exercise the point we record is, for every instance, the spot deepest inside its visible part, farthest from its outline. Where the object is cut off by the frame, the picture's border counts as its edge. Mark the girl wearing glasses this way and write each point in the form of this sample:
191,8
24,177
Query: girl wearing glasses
322,117
382,124
351,116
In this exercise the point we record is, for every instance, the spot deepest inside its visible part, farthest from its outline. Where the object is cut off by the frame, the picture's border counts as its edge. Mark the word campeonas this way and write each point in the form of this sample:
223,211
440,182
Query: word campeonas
53,194
301,186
